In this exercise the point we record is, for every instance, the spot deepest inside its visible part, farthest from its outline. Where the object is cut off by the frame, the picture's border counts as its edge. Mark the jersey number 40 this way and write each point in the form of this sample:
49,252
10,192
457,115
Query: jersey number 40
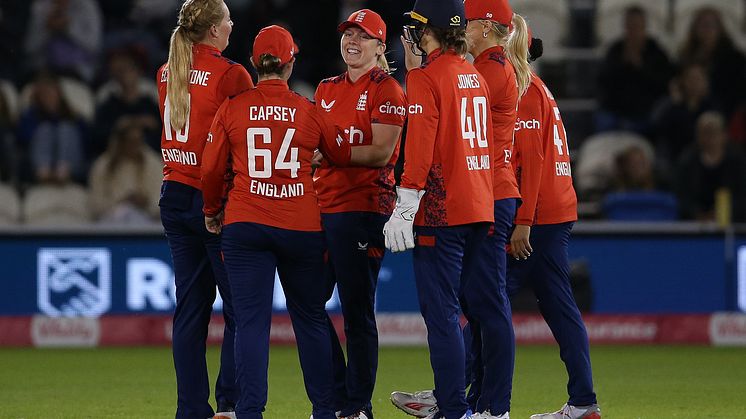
281,163
474,127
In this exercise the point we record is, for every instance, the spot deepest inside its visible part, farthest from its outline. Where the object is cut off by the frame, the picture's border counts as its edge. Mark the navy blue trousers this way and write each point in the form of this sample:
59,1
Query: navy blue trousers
197,269
489,337
439,257
252,254
547,271
356,248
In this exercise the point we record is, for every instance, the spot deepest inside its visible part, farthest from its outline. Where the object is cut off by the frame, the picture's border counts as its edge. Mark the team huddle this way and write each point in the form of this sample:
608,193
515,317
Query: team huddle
259,179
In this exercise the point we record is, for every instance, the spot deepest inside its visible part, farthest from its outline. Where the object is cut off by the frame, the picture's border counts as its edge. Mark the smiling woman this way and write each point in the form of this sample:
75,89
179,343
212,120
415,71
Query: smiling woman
356,202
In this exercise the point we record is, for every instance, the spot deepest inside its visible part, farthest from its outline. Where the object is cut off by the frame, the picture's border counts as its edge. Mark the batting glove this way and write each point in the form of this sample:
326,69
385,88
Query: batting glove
397,231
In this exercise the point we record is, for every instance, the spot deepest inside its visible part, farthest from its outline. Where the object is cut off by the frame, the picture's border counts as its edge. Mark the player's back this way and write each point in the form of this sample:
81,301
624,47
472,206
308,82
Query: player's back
273,133
211,80
459,181
556,201
499,74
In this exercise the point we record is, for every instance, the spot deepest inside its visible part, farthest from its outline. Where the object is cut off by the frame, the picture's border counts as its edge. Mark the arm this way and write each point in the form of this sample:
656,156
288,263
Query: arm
421,132
530,144
387,118
214,163
420,149
378,154
235,80
332,146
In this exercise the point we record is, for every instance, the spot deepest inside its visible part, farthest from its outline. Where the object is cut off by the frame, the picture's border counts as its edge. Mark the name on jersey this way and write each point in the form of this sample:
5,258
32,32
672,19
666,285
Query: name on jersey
562,168
199,77
271,190
272,113
188,158
478,162
468,81
527,124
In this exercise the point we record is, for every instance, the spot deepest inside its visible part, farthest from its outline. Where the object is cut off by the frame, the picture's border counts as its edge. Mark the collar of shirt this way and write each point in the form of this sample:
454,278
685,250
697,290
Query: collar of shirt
438,52
491,50
205,49
273,83
364,76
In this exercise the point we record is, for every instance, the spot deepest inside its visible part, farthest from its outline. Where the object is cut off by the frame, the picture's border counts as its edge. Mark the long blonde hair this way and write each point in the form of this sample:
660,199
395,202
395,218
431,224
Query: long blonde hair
507,40
195,19
517,52
384,64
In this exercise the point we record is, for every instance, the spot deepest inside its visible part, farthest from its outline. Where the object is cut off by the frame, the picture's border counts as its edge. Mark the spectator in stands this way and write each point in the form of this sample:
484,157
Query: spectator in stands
674,117
712,170
52,134
126,28
125,181
633,76
633,171
709,45
65,36
126,94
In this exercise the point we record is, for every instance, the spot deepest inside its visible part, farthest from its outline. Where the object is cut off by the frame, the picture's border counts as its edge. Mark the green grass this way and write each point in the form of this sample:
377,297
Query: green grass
650,382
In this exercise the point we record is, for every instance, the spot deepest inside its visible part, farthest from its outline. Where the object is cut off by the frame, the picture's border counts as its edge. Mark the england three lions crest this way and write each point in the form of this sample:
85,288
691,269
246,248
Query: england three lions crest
74,281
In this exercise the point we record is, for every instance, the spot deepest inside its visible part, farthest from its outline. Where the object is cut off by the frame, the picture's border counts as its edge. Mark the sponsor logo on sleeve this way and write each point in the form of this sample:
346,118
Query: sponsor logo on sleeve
414,109
527,124
388,108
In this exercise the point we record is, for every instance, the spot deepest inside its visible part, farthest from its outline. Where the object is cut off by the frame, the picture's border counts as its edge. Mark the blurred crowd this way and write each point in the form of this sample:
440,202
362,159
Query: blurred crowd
80,126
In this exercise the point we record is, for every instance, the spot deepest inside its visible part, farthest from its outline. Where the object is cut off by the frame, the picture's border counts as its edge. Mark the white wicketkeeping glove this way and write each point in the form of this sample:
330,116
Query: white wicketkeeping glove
397,231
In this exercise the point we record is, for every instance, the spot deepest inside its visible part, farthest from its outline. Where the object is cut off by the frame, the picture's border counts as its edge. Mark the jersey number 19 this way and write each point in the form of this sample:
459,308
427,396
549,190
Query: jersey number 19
182,135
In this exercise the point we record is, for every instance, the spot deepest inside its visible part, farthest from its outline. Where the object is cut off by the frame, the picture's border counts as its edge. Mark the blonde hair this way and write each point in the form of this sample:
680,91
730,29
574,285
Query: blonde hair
517,52
195,19
384,64
508,40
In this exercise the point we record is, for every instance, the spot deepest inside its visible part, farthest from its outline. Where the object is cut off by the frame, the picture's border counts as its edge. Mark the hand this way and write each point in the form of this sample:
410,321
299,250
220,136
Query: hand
520,248
411,60
317,159
215,224
397,232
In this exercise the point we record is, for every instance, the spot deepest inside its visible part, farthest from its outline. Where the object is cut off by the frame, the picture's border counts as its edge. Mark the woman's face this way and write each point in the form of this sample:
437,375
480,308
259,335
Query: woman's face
360,50
223,29
475,30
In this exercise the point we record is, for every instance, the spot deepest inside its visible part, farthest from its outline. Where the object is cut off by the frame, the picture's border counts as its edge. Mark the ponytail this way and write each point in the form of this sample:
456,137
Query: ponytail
269,65
517,52
195,19
384,64
177,88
